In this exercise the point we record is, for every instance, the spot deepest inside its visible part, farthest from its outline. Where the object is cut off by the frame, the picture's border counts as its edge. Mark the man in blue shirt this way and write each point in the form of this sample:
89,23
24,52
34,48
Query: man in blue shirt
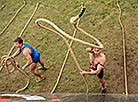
31,55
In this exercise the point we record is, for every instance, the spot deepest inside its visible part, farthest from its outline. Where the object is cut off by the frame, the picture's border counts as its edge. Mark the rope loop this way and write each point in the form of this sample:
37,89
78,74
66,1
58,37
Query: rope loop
6,61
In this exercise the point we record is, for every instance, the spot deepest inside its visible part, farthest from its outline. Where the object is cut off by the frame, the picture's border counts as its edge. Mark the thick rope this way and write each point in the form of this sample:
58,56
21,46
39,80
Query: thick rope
65,58
26,25
4,58
2,7
74,21
47,21
5,63
12,18
124,49
37,5
114,11
63,65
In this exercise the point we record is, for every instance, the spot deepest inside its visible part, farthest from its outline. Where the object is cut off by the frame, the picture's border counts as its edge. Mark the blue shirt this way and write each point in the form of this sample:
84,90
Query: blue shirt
35,55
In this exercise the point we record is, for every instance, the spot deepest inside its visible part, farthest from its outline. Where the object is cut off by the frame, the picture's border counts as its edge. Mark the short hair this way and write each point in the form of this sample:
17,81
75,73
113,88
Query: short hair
19,40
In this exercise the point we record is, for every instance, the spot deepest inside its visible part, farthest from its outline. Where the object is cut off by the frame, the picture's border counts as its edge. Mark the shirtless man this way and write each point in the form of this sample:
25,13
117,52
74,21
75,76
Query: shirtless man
97,60
31,55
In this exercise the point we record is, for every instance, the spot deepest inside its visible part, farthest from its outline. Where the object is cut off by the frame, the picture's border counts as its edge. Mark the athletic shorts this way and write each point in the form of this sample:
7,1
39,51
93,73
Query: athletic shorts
100,75
36,58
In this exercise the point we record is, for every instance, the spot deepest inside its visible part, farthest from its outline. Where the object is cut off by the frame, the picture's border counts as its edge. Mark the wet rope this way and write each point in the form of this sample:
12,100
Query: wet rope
12,19
15,66
124,49
5,58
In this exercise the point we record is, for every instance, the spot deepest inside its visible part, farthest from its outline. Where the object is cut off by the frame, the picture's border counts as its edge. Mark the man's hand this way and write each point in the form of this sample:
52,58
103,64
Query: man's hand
23,68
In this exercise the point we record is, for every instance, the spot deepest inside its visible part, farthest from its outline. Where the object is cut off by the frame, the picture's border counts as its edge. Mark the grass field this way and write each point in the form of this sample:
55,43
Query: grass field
100,20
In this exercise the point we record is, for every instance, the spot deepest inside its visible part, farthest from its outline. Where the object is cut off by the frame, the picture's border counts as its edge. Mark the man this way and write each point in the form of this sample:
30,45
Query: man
97,60
31,55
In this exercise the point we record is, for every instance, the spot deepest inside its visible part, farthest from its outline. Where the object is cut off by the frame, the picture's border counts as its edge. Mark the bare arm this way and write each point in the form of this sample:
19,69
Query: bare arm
93,72
26,52
90,54
16,53
91,58
99,68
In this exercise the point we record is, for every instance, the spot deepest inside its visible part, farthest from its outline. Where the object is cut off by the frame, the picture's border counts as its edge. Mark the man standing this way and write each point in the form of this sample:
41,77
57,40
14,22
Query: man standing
97,60
31,55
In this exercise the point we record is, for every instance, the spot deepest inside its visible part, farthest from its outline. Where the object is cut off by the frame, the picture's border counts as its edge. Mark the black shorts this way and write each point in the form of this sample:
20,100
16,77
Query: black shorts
101,74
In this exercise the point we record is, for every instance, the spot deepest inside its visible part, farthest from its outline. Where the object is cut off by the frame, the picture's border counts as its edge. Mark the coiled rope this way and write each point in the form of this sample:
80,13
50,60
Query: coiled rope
5,58
124,48
74,21
15,66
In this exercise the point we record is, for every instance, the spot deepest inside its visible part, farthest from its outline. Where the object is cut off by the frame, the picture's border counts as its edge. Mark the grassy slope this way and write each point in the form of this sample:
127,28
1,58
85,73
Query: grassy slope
53,48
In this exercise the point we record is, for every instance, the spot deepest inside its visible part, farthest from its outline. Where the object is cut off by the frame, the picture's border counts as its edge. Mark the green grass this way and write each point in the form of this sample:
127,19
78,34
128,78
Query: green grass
53,48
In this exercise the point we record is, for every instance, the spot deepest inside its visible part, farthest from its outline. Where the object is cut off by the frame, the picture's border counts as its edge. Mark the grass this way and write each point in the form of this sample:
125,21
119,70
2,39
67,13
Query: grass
53,48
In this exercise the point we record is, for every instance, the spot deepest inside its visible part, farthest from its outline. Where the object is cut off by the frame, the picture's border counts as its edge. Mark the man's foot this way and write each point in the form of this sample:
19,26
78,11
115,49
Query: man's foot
40,79
42,68
103,91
